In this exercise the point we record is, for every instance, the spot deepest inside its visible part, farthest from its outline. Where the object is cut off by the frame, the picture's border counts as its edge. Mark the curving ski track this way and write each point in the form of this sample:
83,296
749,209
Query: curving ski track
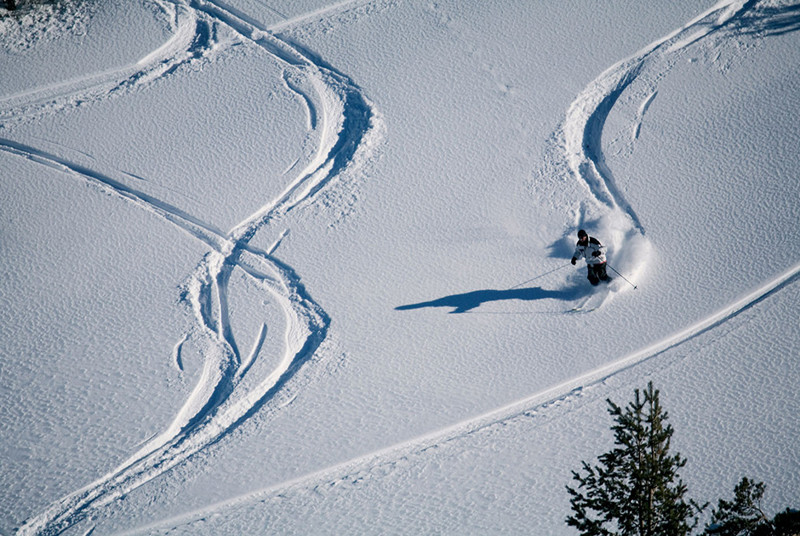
582,130
346,123
586,116
192,40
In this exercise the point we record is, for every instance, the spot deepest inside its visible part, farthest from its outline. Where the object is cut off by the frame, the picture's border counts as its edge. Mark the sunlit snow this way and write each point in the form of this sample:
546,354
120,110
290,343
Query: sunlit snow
303,267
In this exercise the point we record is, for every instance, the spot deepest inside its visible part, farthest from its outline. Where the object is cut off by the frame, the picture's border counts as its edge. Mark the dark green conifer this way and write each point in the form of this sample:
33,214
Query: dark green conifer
635,490
744,516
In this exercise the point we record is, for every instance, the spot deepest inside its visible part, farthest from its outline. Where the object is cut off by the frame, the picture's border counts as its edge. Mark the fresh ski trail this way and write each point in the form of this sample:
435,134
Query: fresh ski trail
593,301
385,457
347,123
637,129
196,228
319,13
582,130
586,116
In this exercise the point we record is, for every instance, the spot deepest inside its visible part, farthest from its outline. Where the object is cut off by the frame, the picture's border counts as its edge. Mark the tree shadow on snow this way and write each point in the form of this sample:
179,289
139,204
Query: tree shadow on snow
462,303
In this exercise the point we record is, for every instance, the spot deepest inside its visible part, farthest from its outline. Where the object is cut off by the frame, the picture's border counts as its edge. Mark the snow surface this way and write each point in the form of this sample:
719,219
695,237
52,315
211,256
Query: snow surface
303,267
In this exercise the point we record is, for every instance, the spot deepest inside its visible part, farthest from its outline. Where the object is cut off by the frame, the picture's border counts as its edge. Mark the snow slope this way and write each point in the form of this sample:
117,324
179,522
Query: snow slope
304,268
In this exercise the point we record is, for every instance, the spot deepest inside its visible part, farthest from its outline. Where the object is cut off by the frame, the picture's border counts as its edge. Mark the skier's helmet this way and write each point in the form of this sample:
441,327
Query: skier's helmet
582,234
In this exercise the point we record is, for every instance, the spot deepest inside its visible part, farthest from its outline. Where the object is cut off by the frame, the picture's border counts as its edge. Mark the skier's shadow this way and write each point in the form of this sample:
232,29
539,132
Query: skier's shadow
462,303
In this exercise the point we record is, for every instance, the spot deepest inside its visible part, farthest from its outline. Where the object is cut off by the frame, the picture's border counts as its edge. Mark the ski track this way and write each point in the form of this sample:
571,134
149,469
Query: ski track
347,123
640,117
582,129
319,13
192,40
387,457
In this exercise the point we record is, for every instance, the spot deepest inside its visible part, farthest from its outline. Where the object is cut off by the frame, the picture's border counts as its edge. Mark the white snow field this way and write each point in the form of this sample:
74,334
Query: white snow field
302,267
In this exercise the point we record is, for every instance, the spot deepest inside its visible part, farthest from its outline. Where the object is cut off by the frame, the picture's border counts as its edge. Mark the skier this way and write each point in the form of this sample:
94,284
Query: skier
592,250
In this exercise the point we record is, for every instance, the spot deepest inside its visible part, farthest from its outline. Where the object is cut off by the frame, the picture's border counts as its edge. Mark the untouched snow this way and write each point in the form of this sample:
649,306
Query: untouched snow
303,267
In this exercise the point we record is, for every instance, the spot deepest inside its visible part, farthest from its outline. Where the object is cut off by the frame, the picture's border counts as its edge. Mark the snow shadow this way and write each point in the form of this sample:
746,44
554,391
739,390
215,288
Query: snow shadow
564,247
462,303
770,20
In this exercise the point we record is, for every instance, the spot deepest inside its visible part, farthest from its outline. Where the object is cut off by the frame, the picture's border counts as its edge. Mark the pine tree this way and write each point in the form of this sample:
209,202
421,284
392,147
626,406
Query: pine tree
744,516
787,523
635,490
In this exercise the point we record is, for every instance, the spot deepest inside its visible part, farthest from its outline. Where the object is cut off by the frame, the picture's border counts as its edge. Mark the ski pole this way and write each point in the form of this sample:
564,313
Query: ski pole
622,276
541,275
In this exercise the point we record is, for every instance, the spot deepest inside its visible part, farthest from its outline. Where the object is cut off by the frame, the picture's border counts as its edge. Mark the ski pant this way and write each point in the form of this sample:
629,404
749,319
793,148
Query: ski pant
597,273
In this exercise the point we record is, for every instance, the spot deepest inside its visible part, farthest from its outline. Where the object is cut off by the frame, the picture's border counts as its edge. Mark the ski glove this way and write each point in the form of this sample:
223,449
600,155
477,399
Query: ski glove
597,253
573,261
